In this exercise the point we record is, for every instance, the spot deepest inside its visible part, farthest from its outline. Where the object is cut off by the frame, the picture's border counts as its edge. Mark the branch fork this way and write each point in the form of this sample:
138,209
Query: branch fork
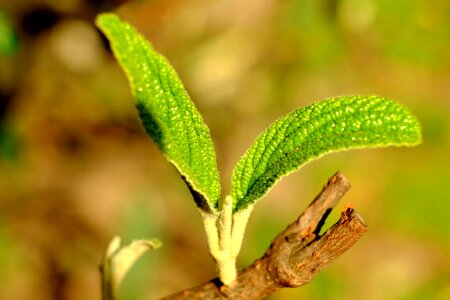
295,256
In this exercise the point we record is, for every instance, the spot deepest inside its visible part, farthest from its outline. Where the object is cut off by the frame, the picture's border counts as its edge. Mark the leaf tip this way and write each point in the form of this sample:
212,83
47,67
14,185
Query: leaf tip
105,17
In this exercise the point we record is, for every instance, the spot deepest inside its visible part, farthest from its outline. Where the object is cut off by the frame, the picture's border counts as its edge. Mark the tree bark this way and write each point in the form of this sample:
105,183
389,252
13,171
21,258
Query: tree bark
296,255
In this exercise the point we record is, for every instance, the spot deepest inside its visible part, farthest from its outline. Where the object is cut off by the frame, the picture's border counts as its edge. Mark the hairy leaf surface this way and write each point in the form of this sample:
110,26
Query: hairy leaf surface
312,131
166,110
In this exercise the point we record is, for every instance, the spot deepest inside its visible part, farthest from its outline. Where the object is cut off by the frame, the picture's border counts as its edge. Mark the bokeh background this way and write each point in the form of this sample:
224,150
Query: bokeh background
76,167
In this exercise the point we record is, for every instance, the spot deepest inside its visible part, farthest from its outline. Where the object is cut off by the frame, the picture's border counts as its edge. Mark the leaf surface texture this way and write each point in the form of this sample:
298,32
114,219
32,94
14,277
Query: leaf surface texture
166,110
312,131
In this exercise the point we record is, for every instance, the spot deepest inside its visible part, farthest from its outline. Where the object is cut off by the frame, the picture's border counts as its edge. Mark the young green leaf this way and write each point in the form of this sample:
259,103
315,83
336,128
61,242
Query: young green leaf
312,131
118,260
9,42
166,110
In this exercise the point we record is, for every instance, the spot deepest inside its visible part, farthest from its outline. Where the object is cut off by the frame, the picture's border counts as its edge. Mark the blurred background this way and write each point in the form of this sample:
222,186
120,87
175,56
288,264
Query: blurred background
76,167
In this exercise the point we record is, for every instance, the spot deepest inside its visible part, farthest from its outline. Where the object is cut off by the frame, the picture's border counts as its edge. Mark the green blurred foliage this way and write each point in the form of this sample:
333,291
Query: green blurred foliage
310,26
416,31
76,167
9,144
139,221
9,42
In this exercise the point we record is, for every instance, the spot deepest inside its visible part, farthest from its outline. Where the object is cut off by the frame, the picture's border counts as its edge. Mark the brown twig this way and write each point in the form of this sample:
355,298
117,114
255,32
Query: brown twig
296,255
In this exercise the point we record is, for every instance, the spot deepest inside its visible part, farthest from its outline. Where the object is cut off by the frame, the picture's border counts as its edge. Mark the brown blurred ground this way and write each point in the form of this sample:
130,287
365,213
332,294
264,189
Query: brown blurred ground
76,167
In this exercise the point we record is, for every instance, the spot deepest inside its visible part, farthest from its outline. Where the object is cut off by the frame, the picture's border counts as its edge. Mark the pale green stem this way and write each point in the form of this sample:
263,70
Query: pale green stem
212,235
240,220
118,260
225,223
225,261
227,269
109,284
225,233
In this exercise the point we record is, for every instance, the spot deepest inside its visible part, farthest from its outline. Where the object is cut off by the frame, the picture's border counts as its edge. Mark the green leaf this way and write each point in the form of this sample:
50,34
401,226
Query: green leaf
9,42
166,110
312,131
